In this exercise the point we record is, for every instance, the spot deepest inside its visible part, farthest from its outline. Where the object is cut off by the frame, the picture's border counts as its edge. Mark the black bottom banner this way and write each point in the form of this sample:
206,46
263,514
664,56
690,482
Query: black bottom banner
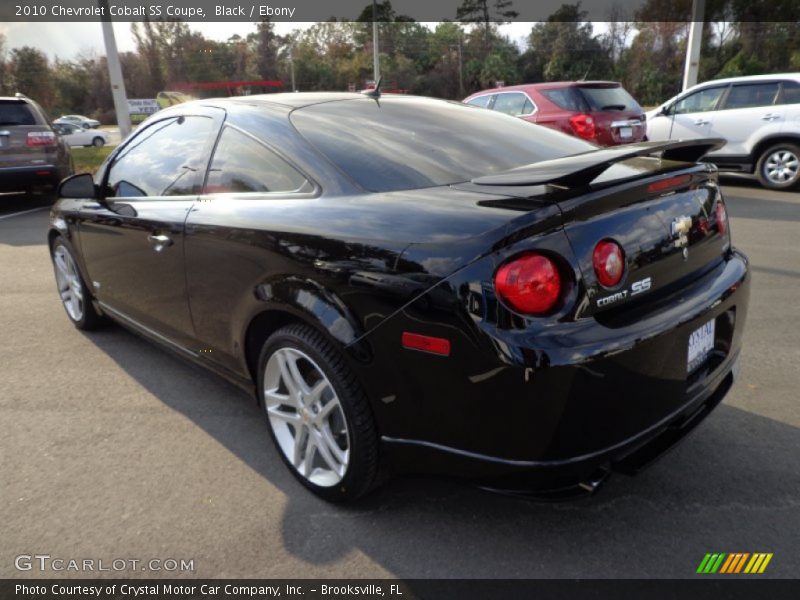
409,589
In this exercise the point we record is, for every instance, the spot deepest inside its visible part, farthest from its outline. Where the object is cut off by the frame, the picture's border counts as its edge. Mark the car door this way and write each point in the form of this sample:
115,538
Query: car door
692,115
789,100
72,134
515,104
247,182
746,115
133,240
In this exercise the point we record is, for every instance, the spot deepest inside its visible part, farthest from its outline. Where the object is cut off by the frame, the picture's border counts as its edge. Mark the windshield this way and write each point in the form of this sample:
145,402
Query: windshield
408,143
608,98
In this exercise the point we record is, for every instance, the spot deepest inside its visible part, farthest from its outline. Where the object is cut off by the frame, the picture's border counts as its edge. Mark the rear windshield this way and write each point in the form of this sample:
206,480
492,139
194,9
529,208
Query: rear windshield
567,98
409,143
608,98
16,113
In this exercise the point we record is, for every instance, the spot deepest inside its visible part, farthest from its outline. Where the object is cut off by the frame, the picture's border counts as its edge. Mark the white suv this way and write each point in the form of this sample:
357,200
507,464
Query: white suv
759,116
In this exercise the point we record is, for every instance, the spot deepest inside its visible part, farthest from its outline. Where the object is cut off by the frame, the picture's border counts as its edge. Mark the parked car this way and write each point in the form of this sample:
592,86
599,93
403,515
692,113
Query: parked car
80,120
75,135
759,117
601,112
33,159
411,284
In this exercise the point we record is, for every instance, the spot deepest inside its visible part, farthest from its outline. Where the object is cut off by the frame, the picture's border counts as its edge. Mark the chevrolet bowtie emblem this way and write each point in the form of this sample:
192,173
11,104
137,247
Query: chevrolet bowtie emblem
680,227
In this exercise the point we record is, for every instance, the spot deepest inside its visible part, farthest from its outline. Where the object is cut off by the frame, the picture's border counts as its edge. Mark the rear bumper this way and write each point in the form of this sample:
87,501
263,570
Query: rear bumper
574,476
43,178
585,402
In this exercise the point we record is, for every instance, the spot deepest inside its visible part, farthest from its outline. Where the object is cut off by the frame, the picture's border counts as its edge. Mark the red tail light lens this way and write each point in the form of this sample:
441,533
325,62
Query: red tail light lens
669,183
609,263
722,218
583,126
41,138
530,284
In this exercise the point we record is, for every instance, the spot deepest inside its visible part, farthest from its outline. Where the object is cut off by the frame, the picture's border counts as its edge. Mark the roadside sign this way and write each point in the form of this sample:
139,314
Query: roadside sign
141,108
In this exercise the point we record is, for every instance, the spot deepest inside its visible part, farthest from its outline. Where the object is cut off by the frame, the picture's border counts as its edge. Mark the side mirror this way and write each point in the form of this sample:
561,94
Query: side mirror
80,186
663,112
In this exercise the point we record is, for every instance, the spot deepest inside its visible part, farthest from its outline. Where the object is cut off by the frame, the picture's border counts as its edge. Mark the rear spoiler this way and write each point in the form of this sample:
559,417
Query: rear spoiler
582,169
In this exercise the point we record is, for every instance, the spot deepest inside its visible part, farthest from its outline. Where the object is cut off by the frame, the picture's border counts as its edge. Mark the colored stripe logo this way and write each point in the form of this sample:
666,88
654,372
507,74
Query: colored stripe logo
736,562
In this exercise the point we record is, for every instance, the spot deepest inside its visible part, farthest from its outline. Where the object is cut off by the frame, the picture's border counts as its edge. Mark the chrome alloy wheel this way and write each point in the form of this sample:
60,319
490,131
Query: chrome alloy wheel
306,417
69,282
781,166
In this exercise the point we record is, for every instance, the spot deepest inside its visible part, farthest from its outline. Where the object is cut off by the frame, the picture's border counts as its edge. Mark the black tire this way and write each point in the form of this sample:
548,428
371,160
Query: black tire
89,318
773,153
361,471
98,142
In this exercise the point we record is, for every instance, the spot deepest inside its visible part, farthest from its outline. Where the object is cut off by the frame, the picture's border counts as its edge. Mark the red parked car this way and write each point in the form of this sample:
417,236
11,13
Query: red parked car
601,112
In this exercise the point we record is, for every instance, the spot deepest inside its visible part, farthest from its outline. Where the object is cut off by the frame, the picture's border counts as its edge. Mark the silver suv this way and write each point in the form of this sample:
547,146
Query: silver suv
759,116
33,158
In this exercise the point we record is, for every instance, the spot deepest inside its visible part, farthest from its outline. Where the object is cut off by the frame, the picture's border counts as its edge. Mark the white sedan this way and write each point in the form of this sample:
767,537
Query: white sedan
84,122
75,135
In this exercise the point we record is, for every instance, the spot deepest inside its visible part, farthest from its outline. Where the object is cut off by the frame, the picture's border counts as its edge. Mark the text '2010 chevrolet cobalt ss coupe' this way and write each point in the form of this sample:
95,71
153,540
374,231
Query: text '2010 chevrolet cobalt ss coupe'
414,285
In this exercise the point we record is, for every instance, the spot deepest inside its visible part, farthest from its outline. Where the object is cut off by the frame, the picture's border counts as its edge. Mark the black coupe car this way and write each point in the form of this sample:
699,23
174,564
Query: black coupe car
410,284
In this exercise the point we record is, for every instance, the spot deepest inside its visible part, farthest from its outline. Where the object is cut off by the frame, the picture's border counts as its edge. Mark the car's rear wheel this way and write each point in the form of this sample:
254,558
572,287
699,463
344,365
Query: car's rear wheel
318,416
73,291
779,166
98,142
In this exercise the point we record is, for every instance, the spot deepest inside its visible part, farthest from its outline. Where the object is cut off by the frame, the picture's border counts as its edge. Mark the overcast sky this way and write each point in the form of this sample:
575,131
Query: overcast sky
67,40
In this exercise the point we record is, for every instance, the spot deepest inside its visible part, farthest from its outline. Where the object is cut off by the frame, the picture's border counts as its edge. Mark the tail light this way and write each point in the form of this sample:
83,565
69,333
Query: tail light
41,138
662,185
722,218
609,263
529,283
583,126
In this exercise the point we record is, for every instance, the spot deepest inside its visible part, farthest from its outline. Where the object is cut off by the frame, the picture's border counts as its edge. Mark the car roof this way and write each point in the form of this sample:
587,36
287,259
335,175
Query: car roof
296,100
748,78
543,86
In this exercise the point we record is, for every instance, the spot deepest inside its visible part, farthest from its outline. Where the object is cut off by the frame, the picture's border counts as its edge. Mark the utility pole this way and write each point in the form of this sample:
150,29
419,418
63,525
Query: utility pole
694,43
376,61
115,73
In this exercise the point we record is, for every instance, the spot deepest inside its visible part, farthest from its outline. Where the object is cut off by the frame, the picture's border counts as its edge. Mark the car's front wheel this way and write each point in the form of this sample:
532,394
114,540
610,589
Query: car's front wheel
319,417
779,166
98,142
73,291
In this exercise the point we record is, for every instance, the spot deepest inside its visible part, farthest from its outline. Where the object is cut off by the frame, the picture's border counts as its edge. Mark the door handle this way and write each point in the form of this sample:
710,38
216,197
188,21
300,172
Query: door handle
701,122
159,242
770,117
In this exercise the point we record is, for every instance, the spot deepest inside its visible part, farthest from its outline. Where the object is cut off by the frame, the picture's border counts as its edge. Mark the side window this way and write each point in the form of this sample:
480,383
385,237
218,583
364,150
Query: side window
482,101
701,101
752,95
790,93
528,107
166,159
241,164
511,103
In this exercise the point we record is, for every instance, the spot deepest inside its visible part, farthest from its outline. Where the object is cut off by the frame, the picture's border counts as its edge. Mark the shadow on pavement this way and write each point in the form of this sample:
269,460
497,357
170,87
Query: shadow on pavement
731,486
27,228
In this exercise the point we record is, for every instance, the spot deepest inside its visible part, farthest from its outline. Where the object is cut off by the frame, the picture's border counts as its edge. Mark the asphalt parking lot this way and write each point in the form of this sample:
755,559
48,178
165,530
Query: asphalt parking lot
114,448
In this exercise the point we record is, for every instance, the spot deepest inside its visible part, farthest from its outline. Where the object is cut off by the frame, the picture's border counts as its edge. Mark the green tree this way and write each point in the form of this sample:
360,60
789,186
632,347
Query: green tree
266,50
487,13
148,48
5,84
30,71
565,48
